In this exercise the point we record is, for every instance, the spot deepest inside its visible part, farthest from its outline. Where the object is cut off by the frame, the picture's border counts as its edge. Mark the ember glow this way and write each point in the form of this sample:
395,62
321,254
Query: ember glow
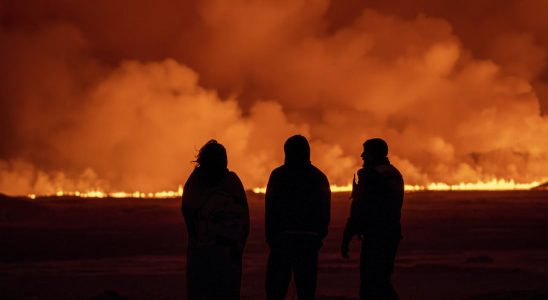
102,96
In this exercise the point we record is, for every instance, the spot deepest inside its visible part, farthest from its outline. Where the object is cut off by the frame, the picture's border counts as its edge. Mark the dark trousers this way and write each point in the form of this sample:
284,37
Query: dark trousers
214,273
297,255
376,267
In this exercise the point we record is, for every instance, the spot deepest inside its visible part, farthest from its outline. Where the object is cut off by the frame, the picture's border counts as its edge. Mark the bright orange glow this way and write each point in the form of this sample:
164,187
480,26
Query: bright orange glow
493,185
103,194
95,102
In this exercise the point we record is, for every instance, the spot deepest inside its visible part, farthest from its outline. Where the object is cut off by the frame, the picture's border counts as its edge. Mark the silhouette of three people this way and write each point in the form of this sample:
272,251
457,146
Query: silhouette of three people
297,214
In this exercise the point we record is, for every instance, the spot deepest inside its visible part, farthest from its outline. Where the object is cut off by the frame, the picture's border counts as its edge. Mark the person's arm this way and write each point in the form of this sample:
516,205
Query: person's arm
348,233
241,208
325,202
353,223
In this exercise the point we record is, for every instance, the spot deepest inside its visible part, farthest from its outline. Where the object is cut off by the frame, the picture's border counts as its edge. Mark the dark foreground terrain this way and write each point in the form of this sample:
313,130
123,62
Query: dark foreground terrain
457,245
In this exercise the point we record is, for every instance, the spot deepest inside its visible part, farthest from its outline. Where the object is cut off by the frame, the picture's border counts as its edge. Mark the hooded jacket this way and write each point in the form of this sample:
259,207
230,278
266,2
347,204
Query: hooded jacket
297,198
376,202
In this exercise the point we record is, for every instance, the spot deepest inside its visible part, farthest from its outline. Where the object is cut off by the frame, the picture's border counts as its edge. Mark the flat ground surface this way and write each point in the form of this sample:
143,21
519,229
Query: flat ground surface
457,245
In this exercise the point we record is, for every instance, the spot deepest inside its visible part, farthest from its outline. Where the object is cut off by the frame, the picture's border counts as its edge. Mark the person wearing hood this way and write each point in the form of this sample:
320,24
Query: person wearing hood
375,213
297,212
215,210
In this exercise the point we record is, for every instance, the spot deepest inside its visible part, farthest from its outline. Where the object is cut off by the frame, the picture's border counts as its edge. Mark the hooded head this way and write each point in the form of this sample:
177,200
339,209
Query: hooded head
297,151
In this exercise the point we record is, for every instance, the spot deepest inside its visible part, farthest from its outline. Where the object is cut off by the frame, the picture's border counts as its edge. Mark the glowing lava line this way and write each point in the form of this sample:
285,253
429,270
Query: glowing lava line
102,194
493,185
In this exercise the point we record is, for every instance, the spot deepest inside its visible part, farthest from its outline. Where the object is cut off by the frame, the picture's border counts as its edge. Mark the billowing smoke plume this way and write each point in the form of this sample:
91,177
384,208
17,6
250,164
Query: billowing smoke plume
120,96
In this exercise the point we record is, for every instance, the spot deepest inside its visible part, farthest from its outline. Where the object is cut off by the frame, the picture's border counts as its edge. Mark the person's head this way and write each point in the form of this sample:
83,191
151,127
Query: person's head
297,150
212,156
374,150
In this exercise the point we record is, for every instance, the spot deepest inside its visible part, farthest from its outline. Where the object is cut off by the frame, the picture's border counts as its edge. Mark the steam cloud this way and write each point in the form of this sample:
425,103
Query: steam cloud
119,96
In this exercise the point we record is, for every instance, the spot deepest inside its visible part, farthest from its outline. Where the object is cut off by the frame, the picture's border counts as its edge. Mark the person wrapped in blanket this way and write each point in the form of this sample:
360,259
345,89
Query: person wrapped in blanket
375,213
215,210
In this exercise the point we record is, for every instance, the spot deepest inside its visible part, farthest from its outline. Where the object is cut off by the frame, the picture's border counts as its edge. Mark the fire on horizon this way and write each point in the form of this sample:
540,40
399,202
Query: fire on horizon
494,185
98,97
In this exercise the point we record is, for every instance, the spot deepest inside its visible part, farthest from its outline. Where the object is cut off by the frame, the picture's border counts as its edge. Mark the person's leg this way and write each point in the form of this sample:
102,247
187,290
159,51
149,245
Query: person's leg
372,259
228,274
278,273
198,270
367,276
392,248
306,270
367,280
192,277
384,289
236,274
376,267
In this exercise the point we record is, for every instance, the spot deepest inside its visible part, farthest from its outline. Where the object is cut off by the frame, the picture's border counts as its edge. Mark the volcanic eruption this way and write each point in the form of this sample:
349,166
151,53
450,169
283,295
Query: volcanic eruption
106,96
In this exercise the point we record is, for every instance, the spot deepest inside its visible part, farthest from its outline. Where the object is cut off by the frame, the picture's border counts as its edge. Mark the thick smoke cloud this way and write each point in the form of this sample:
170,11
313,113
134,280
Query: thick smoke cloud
119,96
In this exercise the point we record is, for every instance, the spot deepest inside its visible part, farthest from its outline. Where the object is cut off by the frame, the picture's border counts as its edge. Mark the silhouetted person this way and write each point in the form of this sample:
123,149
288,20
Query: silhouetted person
215,210
297,216
377,199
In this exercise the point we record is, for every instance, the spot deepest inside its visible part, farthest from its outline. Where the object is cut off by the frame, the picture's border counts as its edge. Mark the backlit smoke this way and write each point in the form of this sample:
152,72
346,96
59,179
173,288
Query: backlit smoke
113,96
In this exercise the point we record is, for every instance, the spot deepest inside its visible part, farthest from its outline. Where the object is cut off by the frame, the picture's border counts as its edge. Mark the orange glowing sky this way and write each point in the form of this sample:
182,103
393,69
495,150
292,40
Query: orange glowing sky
119,95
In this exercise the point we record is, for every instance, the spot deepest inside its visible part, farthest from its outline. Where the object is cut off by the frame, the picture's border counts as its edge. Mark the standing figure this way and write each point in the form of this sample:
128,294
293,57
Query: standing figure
216,214
377,199
296,220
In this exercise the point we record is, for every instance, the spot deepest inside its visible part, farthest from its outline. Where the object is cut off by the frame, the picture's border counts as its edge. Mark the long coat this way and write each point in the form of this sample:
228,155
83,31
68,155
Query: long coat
217,221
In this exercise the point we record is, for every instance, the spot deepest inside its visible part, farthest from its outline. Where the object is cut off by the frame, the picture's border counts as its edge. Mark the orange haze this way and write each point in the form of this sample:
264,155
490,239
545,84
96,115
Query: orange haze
118,95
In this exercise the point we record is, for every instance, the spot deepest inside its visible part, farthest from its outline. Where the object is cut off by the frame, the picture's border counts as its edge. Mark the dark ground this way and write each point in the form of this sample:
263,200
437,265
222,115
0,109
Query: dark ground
457,245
